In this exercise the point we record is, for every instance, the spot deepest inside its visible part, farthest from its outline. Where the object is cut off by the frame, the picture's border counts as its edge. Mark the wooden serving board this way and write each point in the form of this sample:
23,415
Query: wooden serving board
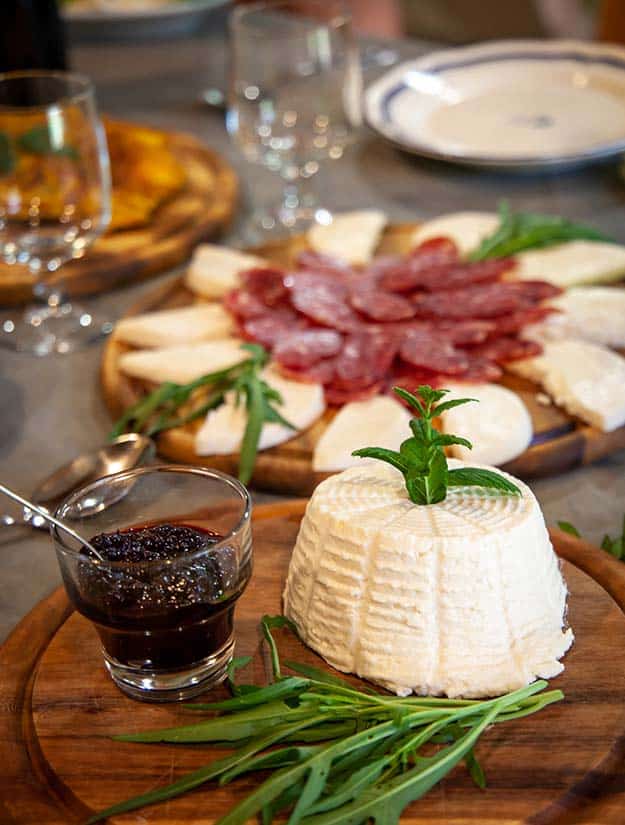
560,441
58,709
202,209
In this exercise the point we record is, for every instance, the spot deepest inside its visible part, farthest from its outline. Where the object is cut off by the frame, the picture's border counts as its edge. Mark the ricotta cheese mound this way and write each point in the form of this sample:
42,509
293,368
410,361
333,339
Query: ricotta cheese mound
461,598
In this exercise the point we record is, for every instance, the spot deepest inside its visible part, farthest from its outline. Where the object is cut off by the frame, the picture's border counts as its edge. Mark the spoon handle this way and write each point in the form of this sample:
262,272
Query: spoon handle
48,517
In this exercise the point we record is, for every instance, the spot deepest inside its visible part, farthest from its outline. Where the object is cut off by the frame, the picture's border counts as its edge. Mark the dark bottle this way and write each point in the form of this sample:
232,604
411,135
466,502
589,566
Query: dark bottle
31,35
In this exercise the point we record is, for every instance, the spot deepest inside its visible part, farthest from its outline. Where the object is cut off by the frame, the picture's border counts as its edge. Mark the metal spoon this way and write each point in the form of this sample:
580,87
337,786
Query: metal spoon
124,453
47,517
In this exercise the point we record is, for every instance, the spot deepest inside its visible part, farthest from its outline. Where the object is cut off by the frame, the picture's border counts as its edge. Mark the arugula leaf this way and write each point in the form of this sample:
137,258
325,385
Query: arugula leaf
421,459
518,231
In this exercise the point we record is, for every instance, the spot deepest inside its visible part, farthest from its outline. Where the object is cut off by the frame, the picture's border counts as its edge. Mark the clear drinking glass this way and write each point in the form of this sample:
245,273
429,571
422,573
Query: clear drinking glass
294,99
165,618
55,200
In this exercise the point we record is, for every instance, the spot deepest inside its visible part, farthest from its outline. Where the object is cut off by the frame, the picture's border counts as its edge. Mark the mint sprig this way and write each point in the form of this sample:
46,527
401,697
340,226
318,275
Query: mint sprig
162,409
518,231
422,459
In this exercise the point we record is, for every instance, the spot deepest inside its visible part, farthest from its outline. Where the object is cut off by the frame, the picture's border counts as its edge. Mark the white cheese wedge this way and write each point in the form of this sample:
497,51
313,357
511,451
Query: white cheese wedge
380,421
499,426
214,270
585,379
351,237
182,364
463,598
466,229
572,263
590,313
222,431
198,322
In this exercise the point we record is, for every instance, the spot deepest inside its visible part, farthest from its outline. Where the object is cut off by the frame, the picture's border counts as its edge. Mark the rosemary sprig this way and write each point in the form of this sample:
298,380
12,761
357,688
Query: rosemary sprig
366,759
422,459
518,231
162,409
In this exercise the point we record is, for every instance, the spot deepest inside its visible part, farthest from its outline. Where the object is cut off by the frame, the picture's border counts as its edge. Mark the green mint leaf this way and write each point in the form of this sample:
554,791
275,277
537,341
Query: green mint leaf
416,454
390,456
410,399
445,440
567,527
437,478
449,405
476,477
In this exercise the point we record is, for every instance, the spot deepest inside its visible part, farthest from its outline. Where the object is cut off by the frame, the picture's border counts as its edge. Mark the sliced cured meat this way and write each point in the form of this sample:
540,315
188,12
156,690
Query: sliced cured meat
516,321
424,350
312,261
425,263
365,358
464,274
481,369
441,246
319,373
306,347
482,300
382,306
267,283
411,379
465,333
508,348
336,396
268,329
244,304
322,300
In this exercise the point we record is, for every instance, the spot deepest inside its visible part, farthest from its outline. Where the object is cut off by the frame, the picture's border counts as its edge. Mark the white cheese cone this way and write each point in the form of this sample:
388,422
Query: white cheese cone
169,327
182,364
351,237
214,270
462,598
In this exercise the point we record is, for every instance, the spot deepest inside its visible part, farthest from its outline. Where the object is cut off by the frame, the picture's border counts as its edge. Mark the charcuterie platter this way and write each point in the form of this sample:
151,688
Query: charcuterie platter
170,192
59,709
540,433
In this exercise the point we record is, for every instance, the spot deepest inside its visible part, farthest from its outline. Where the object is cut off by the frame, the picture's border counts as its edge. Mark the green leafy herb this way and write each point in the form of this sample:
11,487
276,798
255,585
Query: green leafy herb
161,409
422,460
7,154
367,760
40,141
518,231
615,546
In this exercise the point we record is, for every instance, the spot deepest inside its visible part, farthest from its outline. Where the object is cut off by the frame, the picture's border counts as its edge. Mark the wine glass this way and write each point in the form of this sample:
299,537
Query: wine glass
294,98
55,200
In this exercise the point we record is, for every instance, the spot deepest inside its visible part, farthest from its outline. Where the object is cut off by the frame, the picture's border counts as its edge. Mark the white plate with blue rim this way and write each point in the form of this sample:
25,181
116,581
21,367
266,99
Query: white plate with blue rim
520,105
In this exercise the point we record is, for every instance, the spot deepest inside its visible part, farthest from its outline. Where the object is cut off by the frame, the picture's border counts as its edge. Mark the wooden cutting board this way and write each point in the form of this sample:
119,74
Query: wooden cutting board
58,709
202,209
560,441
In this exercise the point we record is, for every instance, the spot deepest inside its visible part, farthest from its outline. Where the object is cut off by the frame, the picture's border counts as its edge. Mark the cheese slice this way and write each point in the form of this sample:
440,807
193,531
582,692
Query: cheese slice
463,598
499,426
590,313
351,237
572,263
585,379
182,364
198,322
380,421
466,229
222,431
214,270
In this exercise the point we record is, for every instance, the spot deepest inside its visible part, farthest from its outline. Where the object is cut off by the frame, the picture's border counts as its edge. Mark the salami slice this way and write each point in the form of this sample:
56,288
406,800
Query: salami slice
244,304
268,329
508,348
464,274
304,348
312,261
322,300
441,246
481,369
365,358
336,396
424,350
267,283
481,300
320,373
516,321
465,333
382,306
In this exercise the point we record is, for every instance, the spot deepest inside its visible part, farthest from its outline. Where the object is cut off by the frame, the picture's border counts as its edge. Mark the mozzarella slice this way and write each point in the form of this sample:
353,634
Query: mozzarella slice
590,313
380,422
198,322
214,270
499,425
466,229
223,428
351,237
586,379
182,364
572,263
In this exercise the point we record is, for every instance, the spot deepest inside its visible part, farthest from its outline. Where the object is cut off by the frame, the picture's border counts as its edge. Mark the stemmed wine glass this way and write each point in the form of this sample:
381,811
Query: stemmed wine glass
55,200
294,99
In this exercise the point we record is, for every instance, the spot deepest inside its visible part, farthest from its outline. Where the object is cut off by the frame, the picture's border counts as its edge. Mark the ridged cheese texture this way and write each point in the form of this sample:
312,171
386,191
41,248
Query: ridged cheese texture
460,598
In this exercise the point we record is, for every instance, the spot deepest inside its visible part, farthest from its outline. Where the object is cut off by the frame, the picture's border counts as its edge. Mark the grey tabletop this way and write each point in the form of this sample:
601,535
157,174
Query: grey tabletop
51,408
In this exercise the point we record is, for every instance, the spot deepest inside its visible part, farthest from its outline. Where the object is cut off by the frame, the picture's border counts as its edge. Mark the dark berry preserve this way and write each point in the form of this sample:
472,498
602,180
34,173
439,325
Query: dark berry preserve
166,601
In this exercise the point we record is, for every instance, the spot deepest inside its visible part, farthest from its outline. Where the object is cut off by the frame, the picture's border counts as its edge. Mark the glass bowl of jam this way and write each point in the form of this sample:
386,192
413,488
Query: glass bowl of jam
175,547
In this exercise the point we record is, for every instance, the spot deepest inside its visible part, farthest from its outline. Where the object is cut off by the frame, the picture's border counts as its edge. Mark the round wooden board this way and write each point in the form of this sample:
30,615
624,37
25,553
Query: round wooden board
202,209
58,709
560,442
